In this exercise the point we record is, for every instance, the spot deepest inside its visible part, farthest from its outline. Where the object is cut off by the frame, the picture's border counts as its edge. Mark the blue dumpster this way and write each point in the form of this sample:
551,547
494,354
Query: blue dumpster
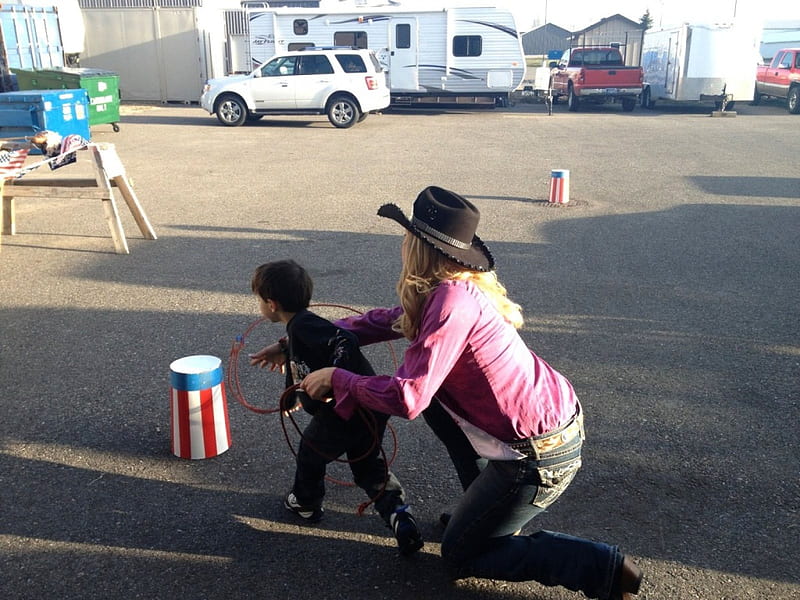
24,113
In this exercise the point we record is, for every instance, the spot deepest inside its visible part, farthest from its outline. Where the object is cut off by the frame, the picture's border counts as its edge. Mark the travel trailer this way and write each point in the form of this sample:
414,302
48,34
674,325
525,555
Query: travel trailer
700,63
443,56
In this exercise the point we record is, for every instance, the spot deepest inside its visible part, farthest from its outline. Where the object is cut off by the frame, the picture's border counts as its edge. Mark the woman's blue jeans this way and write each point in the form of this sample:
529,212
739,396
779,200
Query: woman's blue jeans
502,497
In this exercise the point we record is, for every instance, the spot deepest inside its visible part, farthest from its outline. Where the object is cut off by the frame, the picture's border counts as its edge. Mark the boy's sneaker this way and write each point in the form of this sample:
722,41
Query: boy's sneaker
405,531
310,514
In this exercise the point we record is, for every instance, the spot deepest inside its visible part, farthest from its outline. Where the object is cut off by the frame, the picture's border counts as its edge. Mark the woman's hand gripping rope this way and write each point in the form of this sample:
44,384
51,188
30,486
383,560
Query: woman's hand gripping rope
318,384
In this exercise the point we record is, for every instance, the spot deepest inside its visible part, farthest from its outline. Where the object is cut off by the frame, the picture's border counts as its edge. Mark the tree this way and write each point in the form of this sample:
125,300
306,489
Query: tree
646,21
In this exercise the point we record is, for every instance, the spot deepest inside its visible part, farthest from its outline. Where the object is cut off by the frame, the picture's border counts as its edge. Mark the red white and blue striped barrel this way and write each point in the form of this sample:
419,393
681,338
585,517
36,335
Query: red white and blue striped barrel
199,410
559,186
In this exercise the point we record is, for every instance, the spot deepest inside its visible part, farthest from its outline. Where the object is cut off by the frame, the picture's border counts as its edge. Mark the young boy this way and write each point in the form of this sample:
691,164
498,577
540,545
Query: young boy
284,291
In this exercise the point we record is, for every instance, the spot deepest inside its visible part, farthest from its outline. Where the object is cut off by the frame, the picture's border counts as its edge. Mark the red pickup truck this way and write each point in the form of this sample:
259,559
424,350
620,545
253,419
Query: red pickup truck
781,79
596,74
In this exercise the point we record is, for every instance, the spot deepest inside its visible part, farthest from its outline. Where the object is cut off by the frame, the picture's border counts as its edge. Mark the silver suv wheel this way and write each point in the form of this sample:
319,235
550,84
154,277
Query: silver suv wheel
343,112
231,111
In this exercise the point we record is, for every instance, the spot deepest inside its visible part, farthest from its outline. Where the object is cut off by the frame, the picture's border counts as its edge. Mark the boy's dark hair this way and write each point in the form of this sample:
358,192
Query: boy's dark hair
285,282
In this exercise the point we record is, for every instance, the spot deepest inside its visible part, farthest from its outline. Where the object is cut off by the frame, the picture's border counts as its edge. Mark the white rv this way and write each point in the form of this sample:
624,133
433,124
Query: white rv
448,55
700,63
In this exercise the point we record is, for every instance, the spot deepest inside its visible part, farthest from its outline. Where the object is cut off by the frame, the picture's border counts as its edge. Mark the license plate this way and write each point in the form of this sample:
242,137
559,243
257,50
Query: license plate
612,90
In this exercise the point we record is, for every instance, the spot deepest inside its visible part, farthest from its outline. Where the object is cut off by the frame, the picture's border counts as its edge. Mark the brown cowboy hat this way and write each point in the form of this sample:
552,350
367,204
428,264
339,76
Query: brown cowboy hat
447,222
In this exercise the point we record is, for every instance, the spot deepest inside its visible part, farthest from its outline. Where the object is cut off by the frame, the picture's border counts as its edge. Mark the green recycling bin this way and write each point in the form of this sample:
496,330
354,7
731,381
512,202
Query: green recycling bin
102,87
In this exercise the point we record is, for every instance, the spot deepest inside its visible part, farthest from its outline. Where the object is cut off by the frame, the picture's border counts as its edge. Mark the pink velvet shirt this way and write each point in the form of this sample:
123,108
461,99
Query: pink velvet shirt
467,356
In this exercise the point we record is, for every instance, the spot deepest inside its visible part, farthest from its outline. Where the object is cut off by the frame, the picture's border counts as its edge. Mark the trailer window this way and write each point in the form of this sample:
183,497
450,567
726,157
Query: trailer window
402,36
300,45
354,39
467,45
300,27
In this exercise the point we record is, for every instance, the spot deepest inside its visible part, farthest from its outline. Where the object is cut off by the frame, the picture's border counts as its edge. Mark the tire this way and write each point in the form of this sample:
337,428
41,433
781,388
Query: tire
572,100
793,100
647,99
756,97
343,112
628,104
231,110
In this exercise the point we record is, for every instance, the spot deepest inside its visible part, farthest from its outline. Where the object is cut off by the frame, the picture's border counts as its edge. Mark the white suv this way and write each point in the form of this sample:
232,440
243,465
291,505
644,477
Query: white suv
346,84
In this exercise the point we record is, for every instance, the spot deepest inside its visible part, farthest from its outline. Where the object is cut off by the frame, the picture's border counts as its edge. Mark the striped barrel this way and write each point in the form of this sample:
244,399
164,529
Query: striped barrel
559,186
198,409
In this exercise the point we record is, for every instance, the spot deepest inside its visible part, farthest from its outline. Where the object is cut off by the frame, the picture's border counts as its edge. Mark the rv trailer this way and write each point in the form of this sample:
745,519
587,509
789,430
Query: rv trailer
443,56
700,63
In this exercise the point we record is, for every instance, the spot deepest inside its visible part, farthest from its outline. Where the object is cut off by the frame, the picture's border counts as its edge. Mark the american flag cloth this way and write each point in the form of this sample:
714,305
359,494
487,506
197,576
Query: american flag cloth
11,162
69,144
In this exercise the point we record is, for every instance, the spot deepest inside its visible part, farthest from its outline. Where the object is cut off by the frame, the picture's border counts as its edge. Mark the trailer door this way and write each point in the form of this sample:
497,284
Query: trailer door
673,68
403,55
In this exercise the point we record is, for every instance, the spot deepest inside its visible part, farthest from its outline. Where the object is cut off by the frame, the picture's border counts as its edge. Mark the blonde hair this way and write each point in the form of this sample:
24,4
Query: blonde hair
424,268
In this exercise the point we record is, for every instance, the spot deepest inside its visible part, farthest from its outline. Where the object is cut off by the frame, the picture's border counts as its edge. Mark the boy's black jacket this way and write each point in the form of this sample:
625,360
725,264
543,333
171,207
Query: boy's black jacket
315,343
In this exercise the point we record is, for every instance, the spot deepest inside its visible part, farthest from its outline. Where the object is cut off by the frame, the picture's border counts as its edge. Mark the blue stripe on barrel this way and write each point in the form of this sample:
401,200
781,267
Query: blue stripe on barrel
194,373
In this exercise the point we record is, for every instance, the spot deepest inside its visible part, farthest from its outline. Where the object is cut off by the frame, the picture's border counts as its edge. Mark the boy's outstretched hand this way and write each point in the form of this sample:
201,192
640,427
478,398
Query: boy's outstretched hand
271,356
317,384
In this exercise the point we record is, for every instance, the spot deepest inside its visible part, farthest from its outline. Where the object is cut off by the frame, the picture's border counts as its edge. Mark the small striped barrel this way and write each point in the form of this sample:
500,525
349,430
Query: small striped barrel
198,408
559,186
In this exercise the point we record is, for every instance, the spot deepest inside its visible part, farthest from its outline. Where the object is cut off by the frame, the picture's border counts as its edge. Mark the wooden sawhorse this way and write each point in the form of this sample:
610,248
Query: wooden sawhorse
108,172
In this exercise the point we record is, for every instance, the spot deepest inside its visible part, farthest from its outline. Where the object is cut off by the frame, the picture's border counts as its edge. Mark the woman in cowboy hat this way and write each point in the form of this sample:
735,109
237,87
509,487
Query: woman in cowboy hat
511,423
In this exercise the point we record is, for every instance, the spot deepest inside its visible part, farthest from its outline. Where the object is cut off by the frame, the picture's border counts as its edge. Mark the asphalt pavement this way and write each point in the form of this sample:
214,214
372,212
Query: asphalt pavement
666,290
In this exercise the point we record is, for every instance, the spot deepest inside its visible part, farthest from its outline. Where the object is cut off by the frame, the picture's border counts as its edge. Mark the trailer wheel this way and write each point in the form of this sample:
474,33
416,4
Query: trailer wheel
793,100
647,99
572,100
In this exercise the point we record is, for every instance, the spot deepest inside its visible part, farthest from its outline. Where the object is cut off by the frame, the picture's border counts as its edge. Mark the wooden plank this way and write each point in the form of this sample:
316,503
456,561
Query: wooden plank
8,216
136,209
41,191
5,214
109,205
52,182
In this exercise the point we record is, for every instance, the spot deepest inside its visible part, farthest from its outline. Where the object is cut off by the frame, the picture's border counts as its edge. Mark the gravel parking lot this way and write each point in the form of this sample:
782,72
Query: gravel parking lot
667,291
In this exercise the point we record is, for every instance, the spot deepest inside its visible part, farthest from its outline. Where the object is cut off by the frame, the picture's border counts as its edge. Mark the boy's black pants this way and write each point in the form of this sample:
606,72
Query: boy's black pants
328,436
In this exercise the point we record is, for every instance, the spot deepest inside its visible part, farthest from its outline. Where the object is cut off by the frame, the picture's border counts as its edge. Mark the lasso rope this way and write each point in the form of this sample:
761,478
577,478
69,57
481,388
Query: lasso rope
234,387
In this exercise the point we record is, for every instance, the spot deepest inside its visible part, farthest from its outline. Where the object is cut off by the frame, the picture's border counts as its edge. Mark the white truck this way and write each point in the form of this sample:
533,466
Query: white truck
700,63
442,56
